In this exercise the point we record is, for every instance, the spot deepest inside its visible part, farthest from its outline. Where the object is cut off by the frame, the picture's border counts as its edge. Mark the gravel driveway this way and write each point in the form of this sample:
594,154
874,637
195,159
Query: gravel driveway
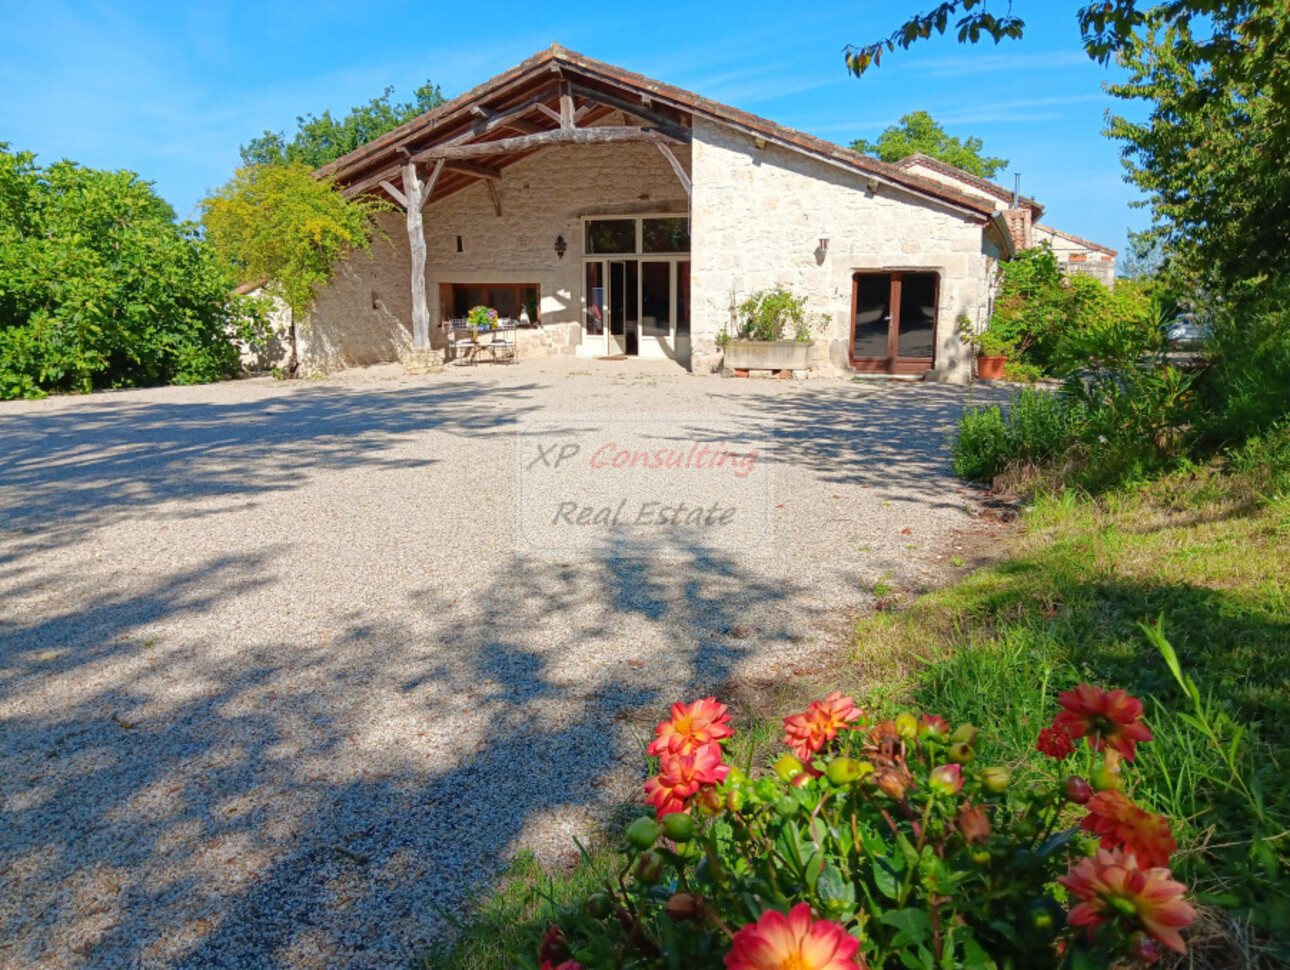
276,680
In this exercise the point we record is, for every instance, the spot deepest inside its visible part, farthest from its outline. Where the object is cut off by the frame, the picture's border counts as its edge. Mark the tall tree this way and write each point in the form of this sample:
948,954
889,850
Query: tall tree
101,287
319,140
919,132
280,224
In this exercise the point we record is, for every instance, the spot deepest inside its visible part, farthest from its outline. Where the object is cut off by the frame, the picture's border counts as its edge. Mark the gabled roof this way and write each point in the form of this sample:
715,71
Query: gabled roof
1087,244
527,99
966,177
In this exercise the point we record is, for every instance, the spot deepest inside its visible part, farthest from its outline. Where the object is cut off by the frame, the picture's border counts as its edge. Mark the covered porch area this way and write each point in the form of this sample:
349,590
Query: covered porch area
553,195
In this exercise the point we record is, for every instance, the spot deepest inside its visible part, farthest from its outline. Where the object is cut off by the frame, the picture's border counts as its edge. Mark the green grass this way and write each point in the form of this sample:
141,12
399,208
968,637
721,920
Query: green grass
1062,607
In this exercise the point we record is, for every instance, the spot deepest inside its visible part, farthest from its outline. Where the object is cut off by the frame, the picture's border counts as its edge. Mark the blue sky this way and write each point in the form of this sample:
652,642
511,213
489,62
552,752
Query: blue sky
170,90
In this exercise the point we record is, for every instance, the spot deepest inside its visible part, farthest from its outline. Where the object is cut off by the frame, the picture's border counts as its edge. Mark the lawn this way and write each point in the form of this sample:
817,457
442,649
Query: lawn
1062,606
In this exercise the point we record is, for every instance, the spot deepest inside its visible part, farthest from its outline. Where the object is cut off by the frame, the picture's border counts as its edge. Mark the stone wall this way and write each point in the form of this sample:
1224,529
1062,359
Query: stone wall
365,315
756,223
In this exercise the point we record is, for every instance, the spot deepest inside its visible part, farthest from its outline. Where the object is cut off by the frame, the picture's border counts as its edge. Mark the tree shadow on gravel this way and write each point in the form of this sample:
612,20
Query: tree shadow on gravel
893,437
65,472
317,802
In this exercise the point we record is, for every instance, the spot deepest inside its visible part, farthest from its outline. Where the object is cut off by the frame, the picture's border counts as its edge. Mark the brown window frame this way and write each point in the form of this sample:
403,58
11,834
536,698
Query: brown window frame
893,363
448,296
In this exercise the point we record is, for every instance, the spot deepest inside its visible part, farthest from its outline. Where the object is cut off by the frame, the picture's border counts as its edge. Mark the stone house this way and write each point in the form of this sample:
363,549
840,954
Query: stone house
622,216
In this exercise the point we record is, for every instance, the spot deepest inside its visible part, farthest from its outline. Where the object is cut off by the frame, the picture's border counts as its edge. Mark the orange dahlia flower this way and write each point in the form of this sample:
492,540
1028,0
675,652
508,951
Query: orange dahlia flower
807,733
692,726
793,942
681,775
1108,717
1112,886
1121,824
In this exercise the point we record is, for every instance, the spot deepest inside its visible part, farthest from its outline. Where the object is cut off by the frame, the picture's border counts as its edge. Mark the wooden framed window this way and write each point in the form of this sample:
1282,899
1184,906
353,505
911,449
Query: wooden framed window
508,299
893,321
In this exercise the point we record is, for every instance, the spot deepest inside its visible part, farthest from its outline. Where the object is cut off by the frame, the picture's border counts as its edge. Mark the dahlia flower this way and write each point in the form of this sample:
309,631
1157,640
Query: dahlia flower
1055,743
1121,824
1112,886
1108,718
692,726
793,942
681,775
807,733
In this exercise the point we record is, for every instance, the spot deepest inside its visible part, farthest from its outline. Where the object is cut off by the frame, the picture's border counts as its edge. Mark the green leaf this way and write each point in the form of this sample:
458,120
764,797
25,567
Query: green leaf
913,926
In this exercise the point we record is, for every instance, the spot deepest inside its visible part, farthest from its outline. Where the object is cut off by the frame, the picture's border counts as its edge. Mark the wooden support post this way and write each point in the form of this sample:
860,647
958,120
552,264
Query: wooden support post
416,194
676,167
566,106
492,194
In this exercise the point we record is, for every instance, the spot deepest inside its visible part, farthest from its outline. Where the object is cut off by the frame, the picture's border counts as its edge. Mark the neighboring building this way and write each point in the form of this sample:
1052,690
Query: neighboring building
628,216
1078,255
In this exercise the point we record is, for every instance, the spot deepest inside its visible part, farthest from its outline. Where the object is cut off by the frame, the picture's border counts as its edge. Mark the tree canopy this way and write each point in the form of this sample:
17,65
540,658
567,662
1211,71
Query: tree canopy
319,140
101,287
918,132
279,222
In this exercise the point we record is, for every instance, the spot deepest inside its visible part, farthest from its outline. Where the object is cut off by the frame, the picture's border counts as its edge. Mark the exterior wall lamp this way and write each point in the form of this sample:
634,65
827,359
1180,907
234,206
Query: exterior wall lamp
560,246
824,240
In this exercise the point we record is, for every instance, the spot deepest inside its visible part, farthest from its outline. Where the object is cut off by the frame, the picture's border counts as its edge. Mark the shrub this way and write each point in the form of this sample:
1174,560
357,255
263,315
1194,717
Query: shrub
1036,428
101,287
884,845
769,314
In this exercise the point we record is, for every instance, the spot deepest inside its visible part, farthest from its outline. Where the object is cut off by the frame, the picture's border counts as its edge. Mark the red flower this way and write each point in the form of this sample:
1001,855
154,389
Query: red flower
807,733
1113,887
1056,743
567,965
793,942
1108,718
1120,824
681,775
933,726
691,727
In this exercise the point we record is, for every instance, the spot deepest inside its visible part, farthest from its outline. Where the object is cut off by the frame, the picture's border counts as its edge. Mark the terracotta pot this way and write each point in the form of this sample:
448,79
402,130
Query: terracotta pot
990,368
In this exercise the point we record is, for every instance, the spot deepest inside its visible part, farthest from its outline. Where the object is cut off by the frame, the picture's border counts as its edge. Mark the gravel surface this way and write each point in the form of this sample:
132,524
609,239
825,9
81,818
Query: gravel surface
277,681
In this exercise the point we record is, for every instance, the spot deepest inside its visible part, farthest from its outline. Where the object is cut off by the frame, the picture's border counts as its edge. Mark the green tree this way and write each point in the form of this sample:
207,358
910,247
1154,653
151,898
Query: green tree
101,287
319,140
280,224
919,132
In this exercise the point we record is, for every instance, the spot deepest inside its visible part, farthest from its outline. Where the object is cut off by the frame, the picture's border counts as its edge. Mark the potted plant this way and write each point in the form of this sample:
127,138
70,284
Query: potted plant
990,349
772,332
481,318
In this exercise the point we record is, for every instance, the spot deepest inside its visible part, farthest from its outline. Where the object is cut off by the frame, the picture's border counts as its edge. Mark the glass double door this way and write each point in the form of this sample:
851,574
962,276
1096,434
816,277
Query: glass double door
641,307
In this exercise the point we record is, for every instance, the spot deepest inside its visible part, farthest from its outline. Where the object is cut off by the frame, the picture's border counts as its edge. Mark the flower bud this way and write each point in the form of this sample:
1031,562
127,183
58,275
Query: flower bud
786,807
974,824
678,827
735,778
642,833
708,800
946,780
787,767
960,753
1106,778
932,726
844,771
964,734
892,783
734,800
1077,790
907,725
598,905
681,906
996,779
982,857
649,867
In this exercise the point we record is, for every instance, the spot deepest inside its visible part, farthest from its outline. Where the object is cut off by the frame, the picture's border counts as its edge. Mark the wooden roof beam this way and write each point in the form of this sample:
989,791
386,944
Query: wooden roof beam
572,136
479,171
622,104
